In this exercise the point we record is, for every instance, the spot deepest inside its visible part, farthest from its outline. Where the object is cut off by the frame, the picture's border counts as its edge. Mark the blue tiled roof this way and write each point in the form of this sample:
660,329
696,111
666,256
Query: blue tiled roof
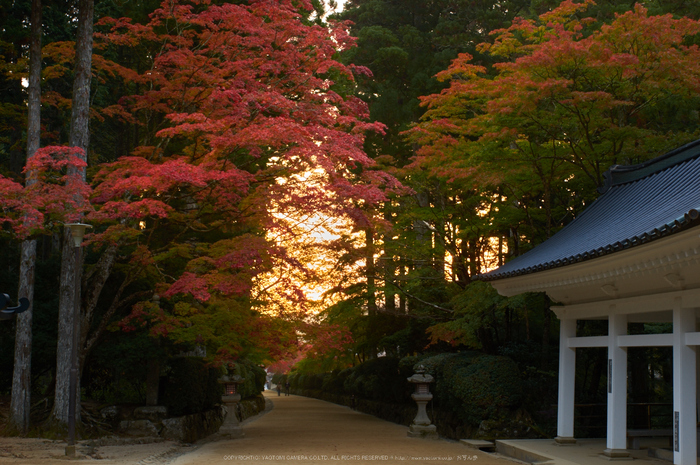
639,204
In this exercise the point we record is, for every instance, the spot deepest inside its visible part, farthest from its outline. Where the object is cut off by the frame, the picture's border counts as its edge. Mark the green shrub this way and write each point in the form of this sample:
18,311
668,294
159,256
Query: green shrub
334,382
473,385
190,386
254,377
378,379
470,385
305,381
487,389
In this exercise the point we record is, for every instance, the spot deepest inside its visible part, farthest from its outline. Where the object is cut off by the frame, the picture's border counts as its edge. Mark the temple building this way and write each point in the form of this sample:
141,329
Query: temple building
633,256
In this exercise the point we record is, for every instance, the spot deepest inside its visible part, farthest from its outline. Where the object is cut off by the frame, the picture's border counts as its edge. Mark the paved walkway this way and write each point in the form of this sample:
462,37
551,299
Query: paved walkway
584,452
300,430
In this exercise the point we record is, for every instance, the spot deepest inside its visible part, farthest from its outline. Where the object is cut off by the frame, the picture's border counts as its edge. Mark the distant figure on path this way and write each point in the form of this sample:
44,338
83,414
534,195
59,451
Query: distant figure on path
286,386
279,390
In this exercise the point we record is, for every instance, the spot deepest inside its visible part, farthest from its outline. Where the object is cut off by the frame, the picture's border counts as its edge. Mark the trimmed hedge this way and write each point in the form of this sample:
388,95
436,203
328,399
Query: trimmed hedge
379,379
469,388
254,376
484,387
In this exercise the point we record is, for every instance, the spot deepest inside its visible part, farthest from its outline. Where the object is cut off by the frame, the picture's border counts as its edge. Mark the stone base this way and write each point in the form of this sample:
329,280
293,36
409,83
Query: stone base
138,428
661,454
152,413
616,454
73,454
562,441
420,431
231,428
191,428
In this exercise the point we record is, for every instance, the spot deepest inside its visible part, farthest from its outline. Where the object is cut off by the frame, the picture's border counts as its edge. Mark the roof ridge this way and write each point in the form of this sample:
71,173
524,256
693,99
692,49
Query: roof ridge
623,174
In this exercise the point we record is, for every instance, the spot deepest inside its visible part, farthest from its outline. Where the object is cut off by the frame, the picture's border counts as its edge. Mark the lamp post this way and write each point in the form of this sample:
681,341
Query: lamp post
77,232
7,313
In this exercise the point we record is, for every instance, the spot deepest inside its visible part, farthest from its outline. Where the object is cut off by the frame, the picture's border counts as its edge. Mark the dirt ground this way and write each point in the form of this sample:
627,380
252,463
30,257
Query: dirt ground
106,450
29,451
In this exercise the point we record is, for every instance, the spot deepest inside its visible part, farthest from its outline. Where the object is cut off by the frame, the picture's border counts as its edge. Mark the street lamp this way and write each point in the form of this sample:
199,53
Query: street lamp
77,232
7,313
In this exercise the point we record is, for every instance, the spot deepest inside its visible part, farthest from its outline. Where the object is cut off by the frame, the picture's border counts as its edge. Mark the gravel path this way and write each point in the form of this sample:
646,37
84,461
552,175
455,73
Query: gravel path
303,431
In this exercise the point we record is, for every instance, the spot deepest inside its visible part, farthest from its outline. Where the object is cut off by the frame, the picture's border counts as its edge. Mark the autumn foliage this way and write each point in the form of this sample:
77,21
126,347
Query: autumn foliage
567,90
245,126
244,99
567,98
55,192
237,105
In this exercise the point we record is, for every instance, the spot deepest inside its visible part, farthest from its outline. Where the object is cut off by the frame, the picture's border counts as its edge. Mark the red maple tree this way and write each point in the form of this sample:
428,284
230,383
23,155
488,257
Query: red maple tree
241,110
55,192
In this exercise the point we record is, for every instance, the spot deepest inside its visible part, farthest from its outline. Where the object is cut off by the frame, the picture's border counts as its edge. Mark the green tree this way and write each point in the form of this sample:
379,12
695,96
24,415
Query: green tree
404,44
563,107
569,98
408,272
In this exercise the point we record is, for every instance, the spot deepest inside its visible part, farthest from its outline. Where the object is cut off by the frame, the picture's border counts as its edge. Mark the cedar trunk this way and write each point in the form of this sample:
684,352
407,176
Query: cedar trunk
70,274
65,331
21,377
371,272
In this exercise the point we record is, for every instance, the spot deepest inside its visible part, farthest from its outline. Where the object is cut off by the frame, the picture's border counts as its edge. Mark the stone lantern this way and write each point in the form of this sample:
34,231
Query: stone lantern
231,426
421,427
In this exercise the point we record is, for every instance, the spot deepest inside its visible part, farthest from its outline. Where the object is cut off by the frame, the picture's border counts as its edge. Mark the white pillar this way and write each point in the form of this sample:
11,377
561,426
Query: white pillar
684,388
617,389
567,378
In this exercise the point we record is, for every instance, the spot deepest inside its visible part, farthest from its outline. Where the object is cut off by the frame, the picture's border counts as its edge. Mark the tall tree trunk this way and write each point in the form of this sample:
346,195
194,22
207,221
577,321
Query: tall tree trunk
21,376
439,236
389,269
403,301
66,312
70,274
422,231
371,272
79,130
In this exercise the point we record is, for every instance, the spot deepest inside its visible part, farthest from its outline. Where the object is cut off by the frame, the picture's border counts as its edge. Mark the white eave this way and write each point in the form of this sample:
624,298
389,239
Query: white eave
663,266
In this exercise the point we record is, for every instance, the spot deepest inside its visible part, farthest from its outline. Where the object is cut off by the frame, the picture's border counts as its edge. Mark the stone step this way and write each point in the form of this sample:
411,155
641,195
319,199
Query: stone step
480,444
